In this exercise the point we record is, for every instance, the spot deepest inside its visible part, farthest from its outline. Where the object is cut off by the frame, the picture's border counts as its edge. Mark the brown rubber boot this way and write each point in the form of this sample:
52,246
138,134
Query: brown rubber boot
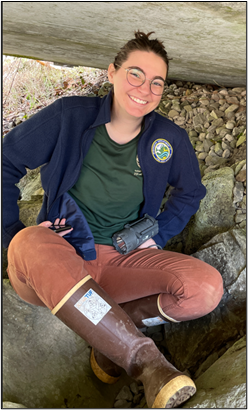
104,369
144,312
94,316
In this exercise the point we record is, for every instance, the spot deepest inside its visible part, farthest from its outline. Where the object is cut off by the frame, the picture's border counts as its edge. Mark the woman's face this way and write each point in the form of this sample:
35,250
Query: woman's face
137,101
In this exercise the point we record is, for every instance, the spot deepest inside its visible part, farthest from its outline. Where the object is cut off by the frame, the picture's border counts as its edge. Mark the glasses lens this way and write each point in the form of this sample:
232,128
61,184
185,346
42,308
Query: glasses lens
157,87
135,77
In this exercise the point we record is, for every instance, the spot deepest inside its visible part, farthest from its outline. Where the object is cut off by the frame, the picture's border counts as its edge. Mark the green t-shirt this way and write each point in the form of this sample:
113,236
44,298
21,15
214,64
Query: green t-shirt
109,190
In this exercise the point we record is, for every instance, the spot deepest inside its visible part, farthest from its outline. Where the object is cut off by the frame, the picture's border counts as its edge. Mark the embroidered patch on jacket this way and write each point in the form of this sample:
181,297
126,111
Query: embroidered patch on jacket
161,150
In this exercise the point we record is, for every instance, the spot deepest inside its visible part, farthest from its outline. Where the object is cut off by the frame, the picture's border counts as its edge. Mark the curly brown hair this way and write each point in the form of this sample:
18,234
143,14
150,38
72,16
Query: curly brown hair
141,42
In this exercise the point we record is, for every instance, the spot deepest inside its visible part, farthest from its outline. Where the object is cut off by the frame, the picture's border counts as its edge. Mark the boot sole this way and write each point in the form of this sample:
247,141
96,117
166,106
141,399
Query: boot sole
99,373
174,393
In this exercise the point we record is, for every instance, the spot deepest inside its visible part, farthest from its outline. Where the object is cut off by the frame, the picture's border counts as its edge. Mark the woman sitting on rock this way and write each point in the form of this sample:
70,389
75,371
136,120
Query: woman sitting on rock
105,163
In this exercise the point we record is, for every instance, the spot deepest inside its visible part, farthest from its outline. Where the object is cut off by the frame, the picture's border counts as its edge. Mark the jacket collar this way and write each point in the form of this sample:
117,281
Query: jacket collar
104,115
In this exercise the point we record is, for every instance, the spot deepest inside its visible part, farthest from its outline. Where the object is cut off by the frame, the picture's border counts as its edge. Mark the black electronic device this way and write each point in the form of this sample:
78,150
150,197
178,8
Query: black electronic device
60,228
134,234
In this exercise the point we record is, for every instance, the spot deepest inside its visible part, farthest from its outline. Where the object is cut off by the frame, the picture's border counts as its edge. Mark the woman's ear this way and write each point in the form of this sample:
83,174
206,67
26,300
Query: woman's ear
111,71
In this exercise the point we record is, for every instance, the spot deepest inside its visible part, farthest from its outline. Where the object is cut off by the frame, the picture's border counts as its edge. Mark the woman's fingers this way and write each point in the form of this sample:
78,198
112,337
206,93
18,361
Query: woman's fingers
46,224
57,223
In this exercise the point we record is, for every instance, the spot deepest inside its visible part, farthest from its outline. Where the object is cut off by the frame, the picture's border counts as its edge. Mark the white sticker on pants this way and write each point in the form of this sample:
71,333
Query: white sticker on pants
153,321
93,306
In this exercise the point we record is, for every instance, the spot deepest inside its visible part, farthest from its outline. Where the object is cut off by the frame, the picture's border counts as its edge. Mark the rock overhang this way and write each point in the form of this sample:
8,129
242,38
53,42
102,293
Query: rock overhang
207,40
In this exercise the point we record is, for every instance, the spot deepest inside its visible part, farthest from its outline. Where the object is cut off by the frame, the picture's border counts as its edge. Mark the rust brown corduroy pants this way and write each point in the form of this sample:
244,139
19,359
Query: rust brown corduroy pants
44,267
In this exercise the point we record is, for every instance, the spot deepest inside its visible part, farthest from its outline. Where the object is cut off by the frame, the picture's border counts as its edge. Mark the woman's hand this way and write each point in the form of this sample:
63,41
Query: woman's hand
148,243
57,223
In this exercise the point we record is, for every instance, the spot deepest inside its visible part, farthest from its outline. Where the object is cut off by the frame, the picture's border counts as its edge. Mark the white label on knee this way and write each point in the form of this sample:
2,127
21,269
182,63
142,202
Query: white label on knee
153,321
93,306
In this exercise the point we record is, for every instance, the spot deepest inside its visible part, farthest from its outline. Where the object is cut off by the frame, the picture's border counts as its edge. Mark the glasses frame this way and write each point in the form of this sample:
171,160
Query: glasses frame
150,81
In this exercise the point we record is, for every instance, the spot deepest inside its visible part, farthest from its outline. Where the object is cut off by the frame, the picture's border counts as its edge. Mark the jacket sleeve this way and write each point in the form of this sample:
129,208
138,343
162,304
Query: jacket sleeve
185,198
29,145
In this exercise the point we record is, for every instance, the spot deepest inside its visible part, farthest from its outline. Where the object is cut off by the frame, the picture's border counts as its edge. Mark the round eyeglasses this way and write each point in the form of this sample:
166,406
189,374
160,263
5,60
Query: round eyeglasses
136,77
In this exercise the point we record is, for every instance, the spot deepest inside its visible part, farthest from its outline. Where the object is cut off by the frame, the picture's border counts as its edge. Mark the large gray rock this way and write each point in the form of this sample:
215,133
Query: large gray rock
215,214
223,385
29,210
29,184
216,211
83,33
45,364
28,214
200,342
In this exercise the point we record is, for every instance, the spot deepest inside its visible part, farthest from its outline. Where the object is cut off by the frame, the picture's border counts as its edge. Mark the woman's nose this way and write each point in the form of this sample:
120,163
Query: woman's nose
145,88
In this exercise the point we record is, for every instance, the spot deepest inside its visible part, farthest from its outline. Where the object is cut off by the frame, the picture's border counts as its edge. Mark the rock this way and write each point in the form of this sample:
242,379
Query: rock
188,108
176,106
29,211
223,385
29,184
180,121
230,125
239,166
172,113
134,388
207,144
224,145
199,147
218,149
202,155
122,404
10,405
214,115
219,23
241,140
238,289
239,90
231,109
212,160
241,176
45,364
125,394
190,343
238,192
28,214
39,192
226,153
205,365
223,92
240,218
198,122
137,398
232,100
105,89
216,211
142,403
215,252
193,134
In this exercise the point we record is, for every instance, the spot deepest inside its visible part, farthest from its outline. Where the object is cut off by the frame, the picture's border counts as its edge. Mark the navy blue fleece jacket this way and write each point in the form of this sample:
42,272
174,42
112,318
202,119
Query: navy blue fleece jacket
58,138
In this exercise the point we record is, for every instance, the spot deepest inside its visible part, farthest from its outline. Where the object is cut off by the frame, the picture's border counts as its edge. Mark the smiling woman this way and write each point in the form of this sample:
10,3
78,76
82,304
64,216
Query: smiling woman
133,92
107,164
